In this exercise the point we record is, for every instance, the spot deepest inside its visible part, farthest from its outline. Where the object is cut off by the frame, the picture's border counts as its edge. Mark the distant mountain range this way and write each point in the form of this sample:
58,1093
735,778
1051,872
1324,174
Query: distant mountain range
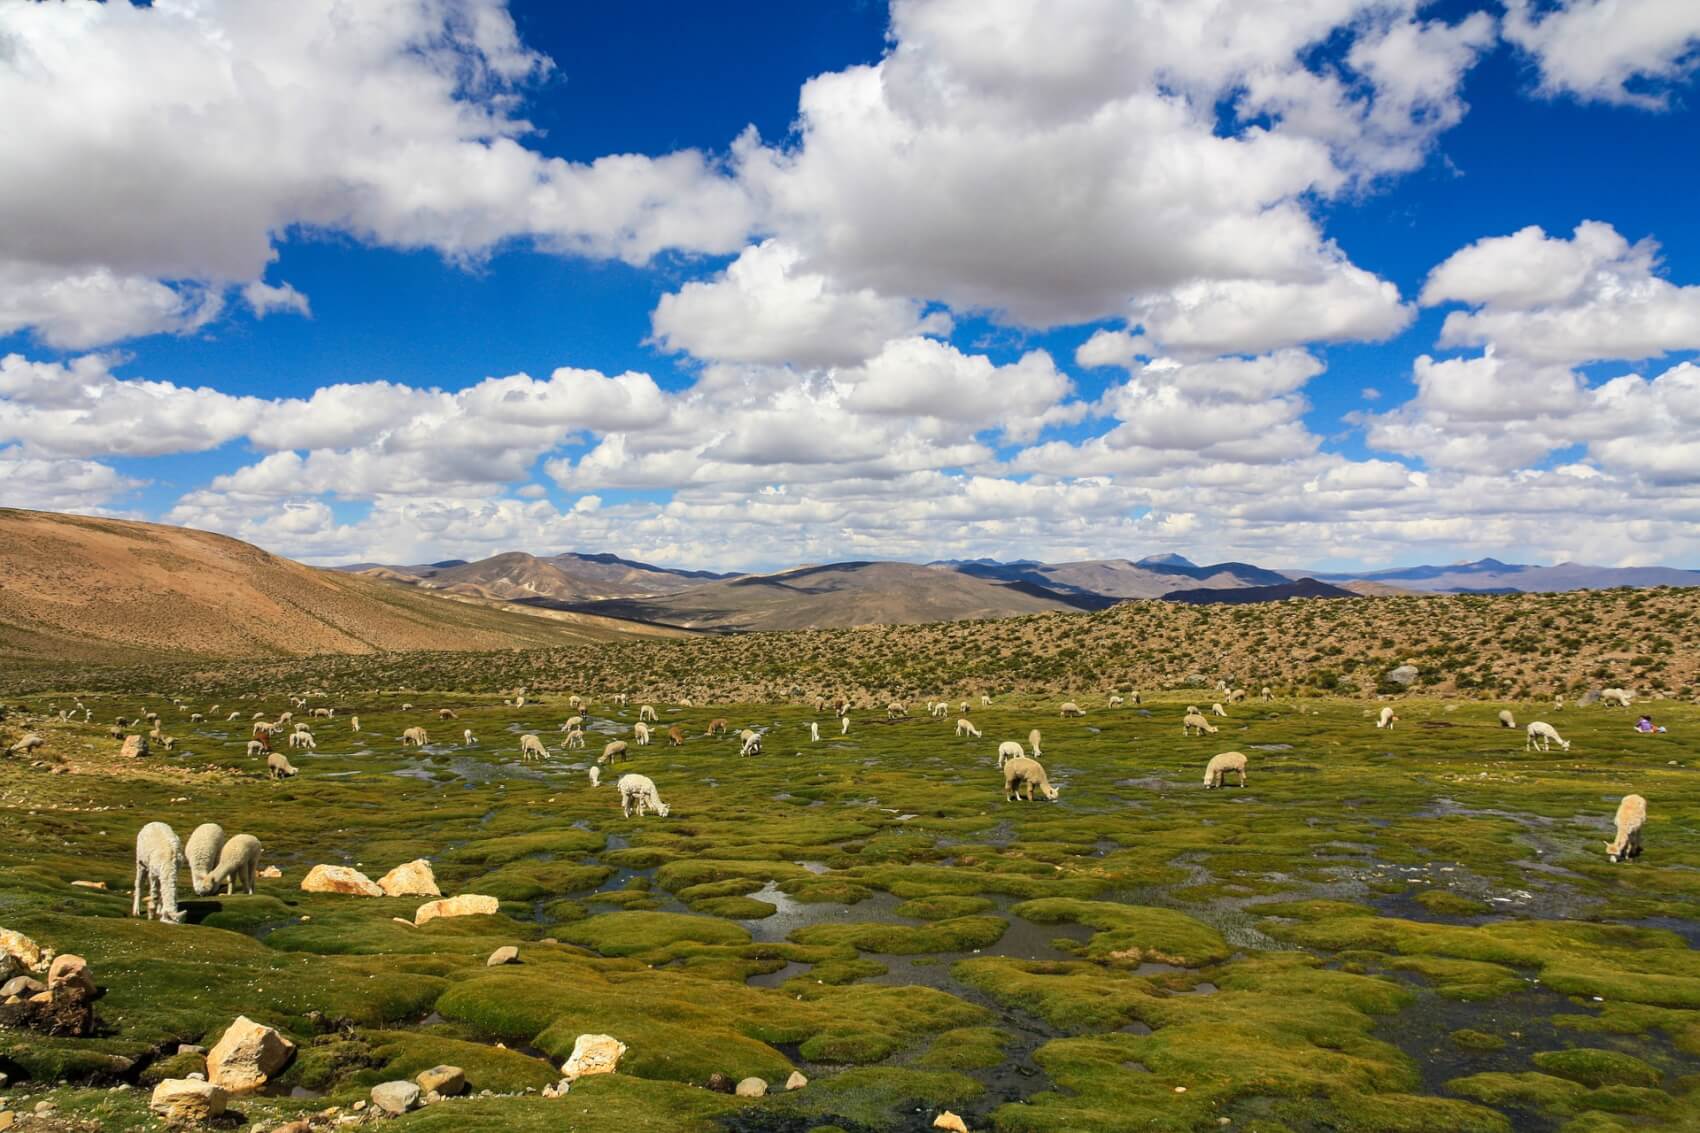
1490,576
834,594
859,593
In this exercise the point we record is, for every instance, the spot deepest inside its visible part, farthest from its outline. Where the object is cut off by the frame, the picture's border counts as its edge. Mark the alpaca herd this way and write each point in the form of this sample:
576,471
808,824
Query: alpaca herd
216,862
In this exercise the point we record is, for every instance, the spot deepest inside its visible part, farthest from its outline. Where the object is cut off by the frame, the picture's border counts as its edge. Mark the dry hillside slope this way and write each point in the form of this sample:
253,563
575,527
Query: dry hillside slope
1481,646
77,588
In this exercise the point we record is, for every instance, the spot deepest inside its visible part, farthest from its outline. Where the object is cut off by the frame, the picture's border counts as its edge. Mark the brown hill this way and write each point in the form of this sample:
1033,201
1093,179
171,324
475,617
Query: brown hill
521,577
88,589
841,595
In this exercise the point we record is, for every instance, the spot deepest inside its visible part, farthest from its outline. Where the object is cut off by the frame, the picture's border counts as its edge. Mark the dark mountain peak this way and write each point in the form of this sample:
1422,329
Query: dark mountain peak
447,564
603,558
1242,595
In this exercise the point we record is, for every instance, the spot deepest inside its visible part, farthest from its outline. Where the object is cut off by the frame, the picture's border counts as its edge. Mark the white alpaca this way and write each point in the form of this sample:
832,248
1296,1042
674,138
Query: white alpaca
895,709
844,724
942,708
1631,816
1221,766
255,747
612,751
965,727
354,723
1267,694
1070,708
1543,735
302,739
575,739
595,774
1023,773
26,745
641,732
1506,720
1033,742
1194,722
1218,710
468,738
1616,696
202,855
278,766
415,736
752,742
238,864
638,791
814,731
158,851
1008,750
1116,701
985,701
1386,719
231,717
646,712
573,724
530,747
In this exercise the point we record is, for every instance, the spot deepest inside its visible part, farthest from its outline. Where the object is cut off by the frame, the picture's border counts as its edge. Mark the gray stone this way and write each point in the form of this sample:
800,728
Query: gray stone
396,1097
1404,676
22,986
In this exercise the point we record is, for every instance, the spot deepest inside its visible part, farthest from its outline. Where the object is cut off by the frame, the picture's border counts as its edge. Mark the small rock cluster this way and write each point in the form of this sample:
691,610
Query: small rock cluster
42,992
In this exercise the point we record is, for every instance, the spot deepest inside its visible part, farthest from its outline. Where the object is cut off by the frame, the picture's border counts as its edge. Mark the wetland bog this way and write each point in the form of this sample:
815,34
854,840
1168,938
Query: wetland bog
1386,930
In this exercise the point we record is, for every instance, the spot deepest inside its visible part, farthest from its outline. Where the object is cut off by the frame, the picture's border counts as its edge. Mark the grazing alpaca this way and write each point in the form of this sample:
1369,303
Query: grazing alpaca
158,852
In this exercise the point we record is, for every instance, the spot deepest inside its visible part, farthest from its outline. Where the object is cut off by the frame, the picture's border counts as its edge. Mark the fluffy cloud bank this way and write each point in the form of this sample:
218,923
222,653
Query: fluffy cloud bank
1159,171
169,147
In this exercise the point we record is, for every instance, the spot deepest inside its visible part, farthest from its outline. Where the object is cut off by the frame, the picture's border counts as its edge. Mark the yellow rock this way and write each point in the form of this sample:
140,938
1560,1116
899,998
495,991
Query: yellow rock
466,905
339,879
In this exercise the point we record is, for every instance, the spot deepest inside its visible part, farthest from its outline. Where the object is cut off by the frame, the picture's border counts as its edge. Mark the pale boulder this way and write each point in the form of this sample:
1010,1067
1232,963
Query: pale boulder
507,954
395,1098
751,1088
796,1081
70,971
411,879
466,905
339,879
593,1054
184,1101
134,747
949,1121
247,1056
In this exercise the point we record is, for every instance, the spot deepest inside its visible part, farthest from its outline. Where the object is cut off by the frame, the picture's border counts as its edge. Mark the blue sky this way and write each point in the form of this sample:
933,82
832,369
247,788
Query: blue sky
739,286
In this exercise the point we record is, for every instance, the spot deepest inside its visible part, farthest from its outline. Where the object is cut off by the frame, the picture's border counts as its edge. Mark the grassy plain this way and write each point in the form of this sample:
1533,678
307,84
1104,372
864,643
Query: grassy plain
1385,931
